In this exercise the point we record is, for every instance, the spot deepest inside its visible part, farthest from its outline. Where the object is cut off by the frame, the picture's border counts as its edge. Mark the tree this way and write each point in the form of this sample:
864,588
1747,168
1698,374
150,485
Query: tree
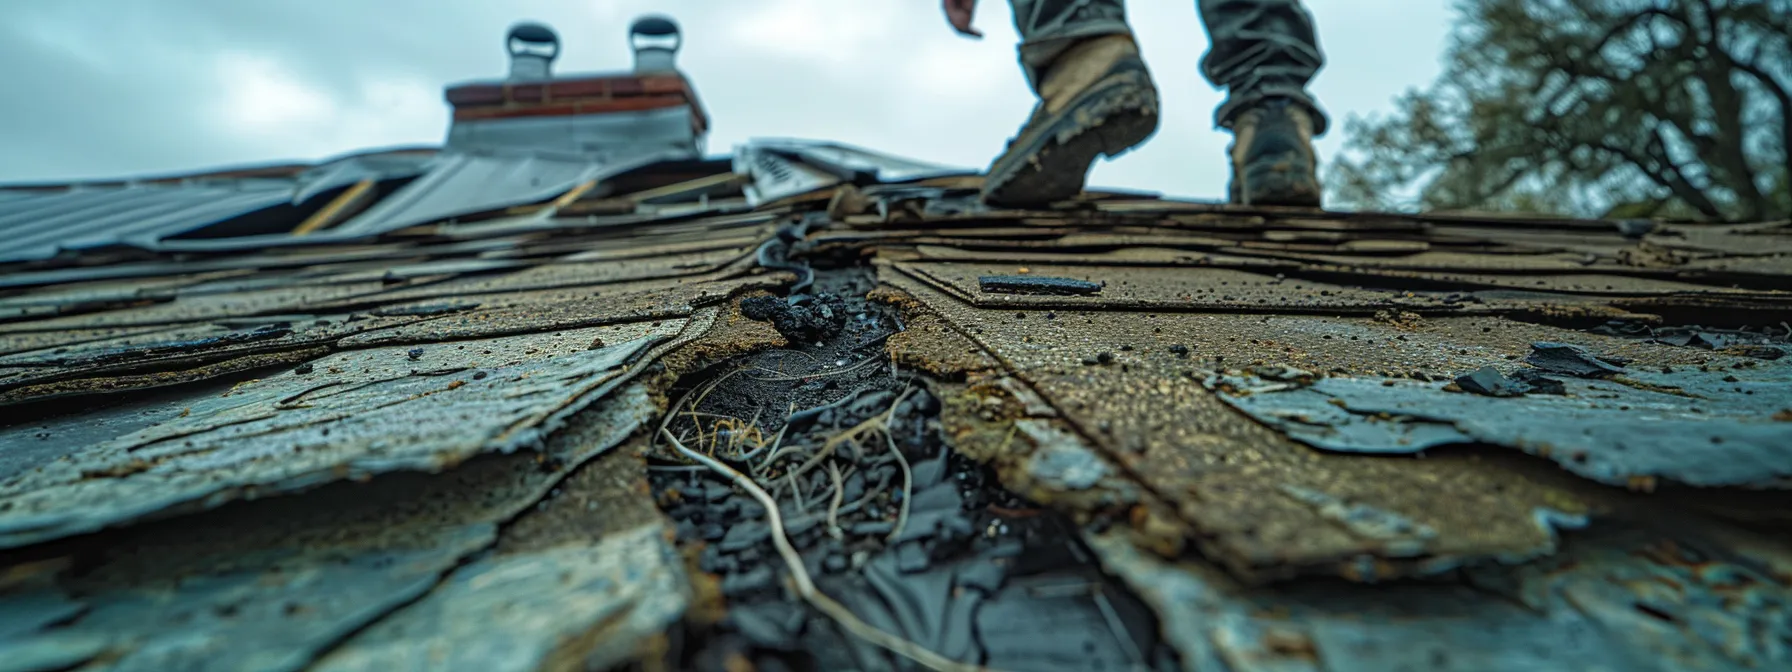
1668,108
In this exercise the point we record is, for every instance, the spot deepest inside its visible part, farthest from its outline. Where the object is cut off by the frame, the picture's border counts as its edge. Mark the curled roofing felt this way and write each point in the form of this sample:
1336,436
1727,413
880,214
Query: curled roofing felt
1022,439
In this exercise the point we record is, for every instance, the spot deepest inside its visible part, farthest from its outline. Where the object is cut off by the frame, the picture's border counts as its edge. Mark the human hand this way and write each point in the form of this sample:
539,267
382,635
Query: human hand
959,13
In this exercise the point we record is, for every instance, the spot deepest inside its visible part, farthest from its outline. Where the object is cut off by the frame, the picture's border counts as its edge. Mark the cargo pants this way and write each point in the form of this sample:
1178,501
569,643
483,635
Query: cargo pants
1258,48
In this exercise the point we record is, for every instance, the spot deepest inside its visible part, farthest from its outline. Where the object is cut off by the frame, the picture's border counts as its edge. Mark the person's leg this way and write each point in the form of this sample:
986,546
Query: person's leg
1261,49
1095,98
1264,52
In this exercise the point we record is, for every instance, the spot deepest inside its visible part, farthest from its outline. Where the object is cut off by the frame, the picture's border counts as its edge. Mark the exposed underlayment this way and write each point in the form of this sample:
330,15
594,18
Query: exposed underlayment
1124,434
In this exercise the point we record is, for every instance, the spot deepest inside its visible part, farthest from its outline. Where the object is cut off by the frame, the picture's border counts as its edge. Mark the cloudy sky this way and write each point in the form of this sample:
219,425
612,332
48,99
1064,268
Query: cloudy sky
107,88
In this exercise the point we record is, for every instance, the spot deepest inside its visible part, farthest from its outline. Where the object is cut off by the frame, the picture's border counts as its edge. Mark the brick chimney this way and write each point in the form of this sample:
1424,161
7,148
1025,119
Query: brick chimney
601,116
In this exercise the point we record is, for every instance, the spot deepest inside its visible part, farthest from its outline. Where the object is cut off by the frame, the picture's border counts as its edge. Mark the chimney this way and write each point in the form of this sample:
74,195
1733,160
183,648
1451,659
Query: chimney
655,40
533,48
600,116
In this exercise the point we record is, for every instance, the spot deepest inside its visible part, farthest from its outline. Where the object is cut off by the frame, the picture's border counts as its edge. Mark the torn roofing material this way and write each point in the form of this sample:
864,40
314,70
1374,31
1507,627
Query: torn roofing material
1066,349
277,583
352,414
631,585
781,167
1124,382
432,425
1635,599
1704,429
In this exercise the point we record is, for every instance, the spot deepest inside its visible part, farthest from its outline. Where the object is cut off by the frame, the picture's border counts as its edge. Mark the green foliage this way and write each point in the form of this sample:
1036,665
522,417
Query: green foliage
1652,108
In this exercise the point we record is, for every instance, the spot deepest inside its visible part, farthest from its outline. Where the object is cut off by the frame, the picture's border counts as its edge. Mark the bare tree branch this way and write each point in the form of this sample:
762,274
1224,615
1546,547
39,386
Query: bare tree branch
1661,168
1582,103
1784,98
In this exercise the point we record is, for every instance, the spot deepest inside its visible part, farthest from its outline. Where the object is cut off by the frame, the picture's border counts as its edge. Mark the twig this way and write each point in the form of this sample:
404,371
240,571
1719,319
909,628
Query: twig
809,414
908,477
762,446
672,411
711,386
796,491
701,414
780,376
1115,627
874,422
895,405
834,507
805,587
775,450
674,467
882,485
772,458
908,486
788,351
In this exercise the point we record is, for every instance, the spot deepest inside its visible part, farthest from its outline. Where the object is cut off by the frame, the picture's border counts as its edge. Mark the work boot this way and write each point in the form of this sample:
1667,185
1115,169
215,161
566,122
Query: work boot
1095,99
1273,162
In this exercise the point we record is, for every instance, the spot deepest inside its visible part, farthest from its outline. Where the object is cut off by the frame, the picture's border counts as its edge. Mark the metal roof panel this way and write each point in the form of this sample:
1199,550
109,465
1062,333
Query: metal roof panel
41,226
465,184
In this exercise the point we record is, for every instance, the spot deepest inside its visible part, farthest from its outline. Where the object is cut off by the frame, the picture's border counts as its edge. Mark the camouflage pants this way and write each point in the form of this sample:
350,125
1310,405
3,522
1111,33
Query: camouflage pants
1259,48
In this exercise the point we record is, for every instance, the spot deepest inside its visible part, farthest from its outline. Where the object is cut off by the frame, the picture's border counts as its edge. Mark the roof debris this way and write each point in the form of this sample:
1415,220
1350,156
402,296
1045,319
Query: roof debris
1490,382
1036,284
1692,427
1573,360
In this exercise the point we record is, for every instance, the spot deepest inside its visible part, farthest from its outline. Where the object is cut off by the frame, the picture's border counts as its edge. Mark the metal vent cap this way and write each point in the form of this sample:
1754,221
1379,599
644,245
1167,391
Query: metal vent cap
655,39
533,48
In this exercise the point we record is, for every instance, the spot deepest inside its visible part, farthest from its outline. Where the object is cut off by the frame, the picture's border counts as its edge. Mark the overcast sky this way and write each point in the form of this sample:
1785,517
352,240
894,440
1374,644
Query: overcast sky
111,88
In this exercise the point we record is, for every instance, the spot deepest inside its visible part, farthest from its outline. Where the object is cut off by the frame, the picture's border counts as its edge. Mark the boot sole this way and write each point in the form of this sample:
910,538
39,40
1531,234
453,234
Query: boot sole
1280,184
1115,116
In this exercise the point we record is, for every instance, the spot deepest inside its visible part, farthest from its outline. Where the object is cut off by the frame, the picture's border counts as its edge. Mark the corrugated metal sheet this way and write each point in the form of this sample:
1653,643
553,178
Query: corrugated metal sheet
37,224
782,167
463,184
40,226
352,169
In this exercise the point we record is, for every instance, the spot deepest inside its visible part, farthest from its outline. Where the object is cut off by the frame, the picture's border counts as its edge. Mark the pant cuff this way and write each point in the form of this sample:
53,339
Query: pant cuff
1227,111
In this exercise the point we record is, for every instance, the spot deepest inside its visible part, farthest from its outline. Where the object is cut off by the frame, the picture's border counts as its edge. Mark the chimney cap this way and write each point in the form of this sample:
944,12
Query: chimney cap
532,35
654,25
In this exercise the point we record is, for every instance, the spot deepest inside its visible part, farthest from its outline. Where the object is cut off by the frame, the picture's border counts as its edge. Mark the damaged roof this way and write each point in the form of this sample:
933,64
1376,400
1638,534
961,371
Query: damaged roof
536,425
